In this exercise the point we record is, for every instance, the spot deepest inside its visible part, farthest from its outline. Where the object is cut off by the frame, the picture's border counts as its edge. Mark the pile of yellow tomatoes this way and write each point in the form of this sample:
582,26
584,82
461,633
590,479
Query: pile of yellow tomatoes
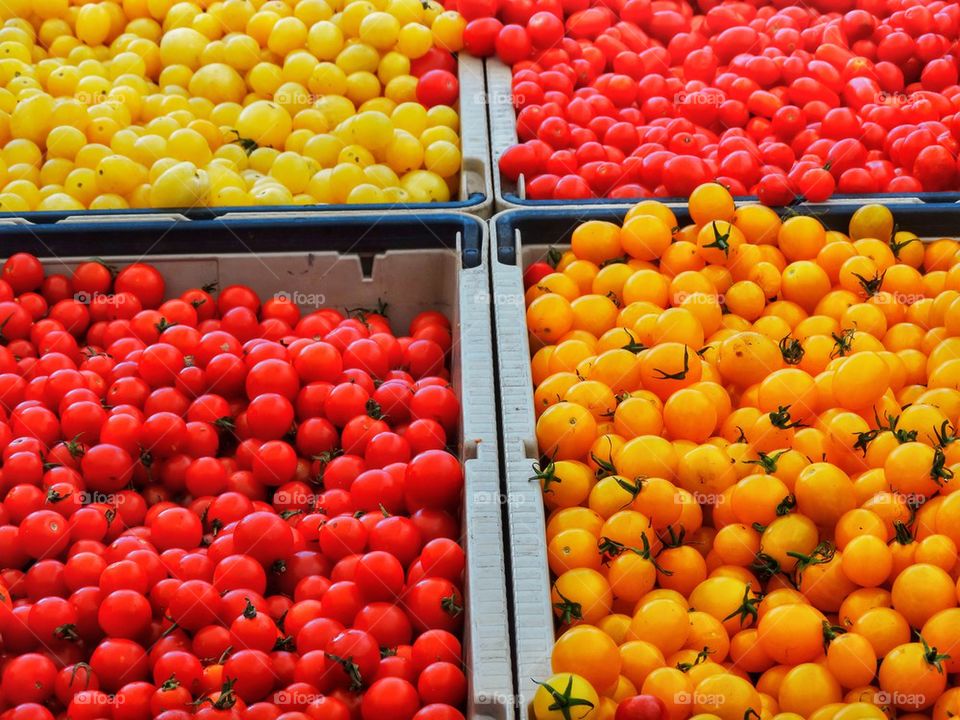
751,465
158,103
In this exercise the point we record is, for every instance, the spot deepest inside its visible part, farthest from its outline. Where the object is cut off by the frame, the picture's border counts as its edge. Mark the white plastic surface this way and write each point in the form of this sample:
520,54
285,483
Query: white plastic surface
410,281
526,525
475,173
503,127
526,518
503,135
144,217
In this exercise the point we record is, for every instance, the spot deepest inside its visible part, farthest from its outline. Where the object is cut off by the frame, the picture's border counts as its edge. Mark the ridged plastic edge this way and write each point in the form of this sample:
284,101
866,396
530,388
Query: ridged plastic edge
533,625
503,135
503,123
487,636
475,174
488,651
475,169
526,522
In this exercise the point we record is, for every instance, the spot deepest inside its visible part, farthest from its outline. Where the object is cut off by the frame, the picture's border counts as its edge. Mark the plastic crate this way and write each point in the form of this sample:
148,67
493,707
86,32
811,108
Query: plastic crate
533,624
508,194
427,262
475,194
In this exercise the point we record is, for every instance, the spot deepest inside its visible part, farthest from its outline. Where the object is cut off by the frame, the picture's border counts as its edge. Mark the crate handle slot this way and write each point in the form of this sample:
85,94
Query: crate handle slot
471,246
506,244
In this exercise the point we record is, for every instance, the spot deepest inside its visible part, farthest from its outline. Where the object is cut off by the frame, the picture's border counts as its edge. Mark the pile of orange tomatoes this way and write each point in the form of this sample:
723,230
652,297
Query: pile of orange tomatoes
751,466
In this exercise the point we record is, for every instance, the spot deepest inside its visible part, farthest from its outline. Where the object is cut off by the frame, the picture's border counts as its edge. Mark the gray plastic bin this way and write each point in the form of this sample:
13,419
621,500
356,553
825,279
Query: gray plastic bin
526,522
440,263
474,196
511,195
519,238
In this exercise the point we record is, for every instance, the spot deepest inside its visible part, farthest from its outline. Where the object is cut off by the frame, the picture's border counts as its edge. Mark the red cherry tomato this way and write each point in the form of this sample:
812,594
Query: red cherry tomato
438,87
641,707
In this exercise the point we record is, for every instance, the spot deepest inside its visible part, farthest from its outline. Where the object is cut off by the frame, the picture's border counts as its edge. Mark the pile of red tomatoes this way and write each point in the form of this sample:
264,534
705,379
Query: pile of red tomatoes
786,101
214,507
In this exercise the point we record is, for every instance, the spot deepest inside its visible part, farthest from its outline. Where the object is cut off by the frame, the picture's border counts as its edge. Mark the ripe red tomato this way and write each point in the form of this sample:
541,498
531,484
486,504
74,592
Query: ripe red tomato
269,416
391,696
125,614
23,272
29,678
515,161
436,58
438,87
44,533
474,9
352,656
435,604
817,185
117,662
92,278
774,189
642,707
480,36
438,712
442,682
328,707
386,622
264,537
253,672
107,468
163,520
254,630
379,575
513,43
545,30
143,281
936,168
434,480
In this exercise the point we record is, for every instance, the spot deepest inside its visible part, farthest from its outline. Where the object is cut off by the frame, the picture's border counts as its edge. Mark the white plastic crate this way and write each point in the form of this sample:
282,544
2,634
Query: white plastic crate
519,238
512,195
474,195
443,265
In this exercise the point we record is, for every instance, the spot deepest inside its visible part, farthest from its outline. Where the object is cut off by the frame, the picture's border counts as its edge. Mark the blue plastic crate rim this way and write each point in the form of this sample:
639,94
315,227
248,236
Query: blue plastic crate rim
836,200
46,217
346,233
557,225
